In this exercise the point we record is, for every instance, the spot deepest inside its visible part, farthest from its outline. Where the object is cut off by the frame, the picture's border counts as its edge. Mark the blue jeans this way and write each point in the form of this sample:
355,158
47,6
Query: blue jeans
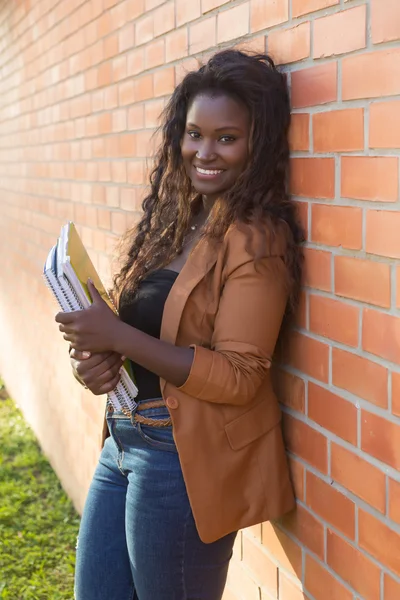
138,539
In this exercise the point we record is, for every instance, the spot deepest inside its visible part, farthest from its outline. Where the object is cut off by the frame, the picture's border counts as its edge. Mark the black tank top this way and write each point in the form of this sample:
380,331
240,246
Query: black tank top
144,311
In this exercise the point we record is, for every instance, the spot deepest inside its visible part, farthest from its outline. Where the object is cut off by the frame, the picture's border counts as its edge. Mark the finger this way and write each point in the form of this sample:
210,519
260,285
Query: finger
103,372
79,355
110,385
95,295
65,329
66,318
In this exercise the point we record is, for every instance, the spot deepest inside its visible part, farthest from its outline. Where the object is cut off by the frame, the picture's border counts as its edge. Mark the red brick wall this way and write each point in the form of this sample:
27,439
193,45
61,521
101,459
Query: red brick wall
82,84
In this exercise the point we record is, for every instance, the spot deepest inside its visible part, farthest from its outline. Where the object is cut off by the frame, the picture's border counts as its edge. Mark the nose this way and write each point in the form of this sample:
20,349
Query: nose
206,151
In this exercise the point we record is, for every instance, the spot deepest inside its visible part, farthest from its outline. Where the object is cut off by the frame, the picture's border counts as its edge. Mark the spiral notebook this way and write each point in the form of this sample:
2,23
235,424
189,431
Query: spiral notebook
66,271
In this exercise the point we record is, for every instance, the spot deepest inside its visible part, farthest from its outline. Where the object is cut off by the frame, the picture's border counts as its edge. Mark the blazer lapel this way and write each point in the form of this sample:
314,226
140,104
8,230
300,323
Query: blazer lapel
198,264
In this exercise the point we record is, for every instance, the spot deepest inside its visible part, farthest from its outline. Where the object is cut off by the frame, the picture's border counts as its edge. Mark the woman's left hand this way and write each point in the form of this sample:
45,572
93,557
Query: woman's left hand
94,329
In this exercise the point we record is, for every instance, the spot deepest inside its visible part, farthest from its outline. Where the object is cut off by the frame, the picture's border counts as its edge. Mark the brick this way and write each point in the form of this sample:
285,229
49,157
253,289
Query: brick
267,13
331,505
339,130
119,68
135,62
353,566
332,413
255,44
104,219
396,394
363,280
297,477
150,4
135,117
299,135
381,335
334,319
202,35
392,588
360,376
164,18
289,389
306,528
128,200
398,287
176,45
152,113
371,75
384,124
187,11
135,172
313,177
154,54
290,45
290,590
208,5
307,443
380,541
317,271
284,550
239,579
394,500
321,584
314,85
308,355
303,7
382,237
385,21
118,223
373,178
380,438
233,23
265,571
359,477
126,145
336,226
342,32
144,30
144,87
164,82
126,93
126,38
118,171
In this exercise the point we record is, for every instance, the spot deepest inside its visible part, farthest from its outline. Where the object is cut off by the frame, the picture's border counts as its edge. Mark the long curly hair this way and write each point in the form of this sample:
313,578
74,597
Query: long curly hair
260,192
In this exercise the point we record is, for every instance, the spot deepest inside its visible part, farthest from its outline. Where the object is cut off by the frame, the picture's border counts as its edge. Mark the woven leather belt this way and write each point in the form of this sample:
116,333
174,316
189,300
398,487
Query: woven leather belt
138,418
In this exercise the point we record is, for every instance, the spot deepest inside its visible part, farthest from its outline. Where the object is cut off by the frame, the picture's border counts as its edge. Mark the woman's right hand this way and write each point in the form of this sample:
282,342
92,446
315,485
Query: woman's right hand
99,372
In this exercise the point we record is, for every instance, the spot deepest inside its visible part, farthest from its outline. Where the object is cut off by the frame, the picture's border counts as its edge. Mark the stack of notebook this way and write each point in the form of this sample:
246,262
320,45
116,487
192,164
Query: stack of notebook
66,271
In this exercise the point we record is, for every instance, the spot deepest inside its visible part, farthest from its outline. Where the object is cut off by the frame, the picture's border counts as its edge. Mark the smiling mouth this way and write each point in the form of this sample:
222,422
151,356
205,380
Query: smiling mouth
208,172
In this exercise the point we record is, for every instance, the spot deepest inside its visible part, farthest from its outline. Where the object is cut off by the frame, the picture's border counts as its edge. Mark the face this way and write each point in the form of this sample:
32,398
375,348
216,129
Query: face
215,145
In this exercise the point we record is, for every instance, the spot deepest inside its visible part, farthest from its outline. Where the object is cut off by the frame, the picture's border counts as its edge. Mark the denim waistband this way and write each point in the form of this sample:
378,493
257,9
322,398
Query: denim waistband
148,412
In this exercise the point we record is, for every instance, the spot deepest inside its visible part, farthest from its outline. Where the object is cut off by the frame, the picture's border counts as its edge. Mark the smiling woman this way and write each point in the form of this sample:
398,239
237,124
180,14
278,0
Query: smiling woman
207,278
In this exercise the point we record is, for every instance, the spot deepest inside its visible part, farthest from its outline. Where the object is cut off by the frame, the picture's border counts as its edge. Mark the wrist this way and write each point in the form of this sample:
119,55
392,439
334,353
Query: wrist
119,337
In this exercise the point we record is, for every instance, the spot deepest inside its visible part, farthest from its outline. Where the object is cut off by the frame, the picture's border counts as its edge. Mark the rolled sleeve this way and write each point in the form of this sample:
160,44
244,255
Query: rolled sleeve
246,329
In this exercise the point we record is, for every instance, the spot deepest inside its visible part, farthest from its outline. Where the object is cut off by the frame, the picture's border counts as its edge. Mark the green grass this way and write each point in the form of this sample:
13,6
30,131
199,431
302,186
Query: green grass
38,524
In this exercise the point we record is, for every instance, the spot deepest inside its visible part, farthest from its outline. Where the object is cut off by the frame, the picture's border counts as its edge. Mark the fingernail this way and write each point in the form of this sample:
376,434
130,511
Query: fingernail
86,354
123,358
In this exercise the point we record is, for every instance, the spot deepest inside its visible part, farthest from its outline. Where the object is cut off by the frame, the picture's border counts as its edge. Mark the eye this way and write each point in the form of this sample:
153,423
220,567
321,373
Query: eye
194,135
226,139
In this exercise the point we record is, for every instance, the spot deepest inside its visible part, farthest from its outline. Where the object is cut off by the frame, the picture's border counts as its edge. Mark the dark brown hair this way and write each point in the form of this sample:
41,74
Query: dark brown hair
260,192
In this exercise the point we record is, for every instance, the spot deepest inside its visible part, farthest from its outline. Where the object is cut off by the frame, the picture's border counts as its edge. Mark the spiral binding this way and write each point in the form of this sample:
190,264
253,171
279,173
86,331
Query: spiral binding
51,287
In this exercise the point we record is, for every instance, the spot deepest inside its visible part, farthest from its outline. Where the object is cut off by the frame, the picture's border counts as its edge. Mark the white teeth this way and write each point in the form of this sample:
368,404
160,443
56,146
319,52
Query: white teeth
207,172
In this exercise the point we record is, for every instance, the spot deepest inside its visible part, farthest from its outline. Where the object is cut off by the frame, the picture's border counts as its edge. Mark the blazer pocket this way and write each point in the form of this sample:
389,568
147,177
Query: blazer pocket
256,422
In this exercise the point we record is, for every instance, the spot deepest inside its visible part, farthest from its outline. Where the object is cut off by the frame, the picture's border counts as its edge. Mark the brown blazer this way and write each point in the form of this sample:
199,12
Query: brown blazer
226,417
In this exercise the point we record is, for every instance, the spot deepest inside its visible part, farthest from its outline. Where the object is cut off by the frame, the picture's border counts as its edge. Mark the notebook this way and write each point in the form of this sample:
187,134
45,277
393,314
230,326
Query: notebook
66,271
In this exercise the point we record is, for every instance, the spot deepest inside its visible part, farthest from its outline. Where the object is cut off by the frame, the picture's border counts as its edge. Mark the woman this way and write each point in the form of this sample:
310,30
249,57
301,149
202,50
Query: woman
211,269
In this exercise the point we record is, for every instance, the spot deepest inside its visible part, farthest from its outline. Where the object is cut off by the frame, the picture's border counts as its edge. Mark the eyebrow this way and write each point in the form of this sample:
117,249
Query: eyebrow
219,128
